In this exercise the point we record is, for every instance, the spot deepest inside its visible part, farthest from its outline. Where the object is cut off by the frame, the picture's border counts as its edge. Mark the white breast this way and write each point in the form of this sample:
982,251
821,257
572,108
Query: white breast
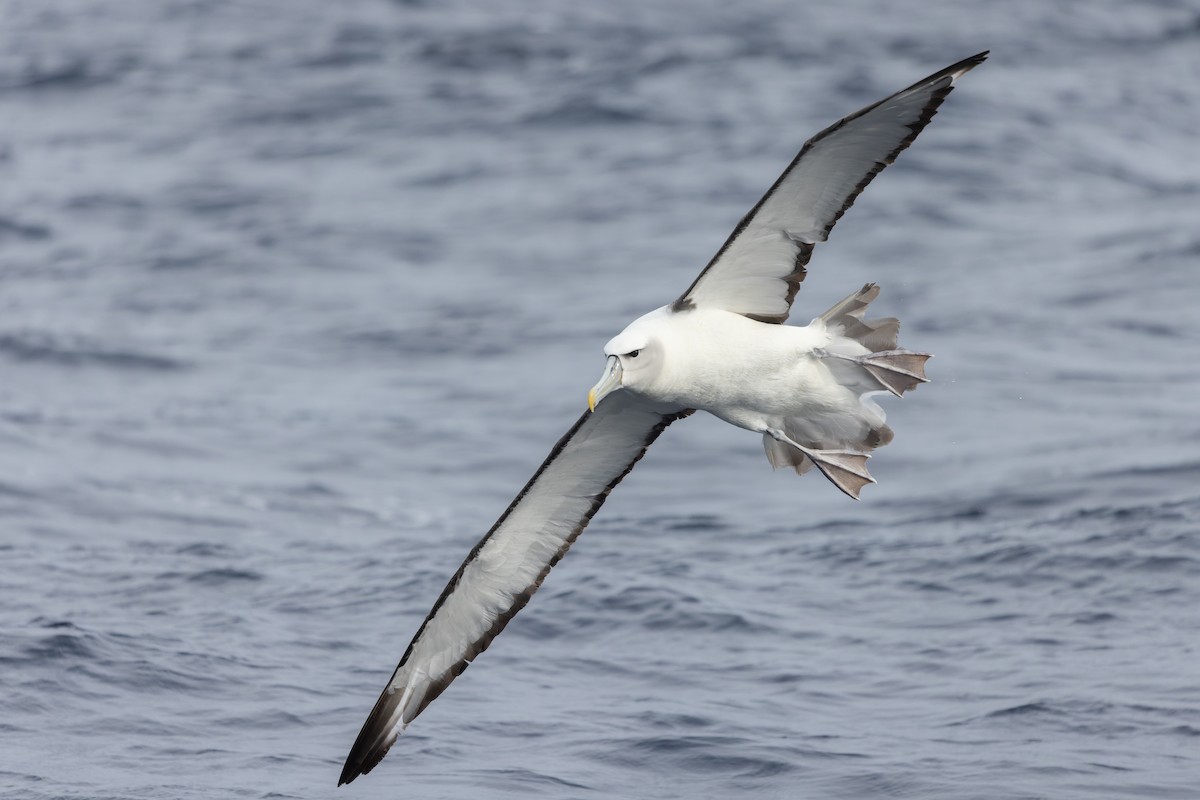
716,360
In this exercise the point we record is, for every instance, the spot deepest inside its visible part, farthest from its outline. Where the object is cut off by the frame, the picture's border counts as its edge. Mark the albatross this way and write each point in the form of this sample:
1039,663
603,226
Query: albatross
720,347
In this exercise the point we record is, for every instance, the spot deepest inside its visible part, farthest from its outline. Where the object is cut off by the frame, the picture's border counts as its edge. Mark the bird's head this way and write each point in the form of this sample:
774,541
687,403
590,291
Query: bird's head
634,360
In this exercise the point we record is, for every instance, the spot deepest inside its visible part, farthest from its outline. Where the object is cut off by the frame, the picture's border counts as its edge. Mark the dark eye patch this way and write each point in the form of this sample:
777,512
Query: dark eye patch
633,353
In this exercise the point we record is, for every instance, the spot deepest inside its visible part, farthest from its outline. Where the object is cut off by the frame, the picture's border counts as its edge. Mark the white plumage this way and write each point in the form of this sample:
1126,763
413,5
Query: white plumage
719,348
805,389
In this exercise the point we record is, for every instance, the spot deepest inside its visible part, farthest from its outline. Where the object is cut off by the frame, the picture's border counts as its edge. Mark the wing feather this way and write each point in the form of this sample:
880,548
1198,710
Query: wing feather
758,270
508,565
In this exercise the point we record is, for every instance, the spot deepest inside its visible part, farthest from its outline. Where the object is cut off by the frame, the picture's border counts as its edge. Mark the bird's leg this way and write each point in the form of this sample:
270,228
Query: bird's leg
845,469
897,370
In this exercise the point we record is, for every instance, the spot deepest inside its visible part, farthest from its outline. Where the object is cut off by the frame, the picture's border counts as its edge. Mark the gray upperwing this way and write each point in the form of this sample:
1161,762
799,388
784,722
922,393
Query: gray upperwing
508,565
758,270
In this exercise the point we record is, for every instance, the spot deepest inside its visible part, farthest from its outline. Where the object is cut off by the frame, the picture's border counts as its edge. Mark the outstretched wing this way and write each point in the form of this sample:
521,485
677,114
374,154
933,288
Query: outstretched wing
508,565
759,268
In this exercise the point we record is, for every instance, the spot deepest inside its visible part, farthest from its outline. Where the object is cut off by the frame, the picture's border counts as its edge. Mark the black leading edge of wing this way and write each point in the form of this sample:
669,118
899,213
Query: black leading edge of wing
507,566
758,270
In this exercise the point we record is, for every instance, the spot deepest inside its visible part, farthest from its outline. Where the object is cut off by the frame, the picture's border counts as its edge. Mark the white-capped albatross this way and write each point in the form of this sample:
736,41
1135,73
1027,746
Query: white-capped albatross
719,348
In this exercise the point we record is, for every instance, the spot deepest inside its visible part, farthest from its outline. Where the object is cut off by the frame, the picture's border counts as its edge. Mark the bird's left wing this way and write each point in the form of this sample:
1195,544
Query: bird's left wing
508,565
758,270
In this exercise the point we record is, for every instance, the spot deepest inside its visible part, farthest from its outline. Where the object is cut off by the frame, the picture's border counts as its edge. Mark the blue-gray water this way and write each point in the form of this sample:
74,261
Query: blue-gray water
294,296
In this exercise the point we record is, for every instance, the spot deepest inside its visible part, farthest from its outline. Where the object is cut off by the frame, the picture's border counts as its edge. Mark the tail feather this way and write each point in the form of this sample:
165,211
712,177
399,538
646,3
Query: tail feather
846,317
878,334
862,358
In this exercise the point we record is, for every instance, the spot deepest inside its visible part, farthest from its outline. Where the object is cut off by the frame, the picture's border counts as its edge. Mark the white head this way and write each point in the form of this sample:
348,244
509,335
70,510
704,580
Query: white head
635,359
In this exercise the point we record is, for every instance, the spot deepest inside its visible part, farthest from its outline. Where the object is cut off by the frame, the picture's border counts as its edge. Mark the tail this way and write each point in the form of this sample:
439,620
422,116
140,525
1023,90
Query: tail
846,320
864,358
863,354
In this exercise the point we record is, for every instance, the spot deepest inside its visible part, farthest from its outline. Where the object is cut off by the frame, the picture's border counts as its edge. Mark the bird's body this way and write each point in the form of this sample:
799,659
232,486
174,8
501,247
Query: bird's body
720,347
806,389
720,361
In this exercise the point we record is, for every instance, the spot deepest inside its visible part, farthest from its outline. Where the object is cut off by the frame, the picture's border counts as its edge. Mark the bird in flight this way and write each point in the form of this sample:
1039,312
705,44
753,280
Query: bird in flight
720,347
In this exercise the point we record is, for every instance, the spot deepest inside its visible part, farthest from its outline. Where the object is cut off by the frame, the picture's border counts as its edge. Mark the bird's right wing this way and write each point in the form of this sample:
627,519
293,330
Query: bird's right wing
508,565
758,270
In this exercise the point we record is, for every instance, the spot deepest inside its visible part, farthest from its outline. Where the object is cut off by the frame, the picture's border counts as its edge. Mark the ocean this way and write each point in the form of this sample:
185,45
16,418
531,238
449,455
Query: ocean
295,296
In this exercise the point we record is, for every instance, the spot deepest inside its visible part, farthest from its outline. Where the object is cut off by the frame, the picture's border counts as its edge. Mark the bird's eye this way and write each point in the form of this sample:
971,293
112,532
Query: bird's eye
634,353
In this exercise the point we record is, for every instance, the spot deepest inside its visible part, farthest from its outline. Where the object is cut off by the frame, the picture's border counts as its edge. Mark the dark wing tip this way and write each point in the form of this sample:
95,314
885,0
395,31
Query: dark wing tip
379,732
939,84
952,72
977,59
353,767
360,762
373,739
956,69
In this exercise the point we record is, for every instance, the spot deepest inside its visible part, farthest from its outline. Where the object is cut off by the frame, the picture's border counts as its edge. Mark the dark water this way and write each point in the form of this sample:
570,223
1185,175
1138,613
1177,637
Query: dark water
295,295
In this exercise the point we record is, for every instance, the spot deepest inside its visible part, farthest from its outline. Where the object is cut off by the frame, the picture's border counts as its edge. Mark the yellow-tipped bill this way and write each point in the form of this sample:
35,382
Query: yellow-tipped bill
609,381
